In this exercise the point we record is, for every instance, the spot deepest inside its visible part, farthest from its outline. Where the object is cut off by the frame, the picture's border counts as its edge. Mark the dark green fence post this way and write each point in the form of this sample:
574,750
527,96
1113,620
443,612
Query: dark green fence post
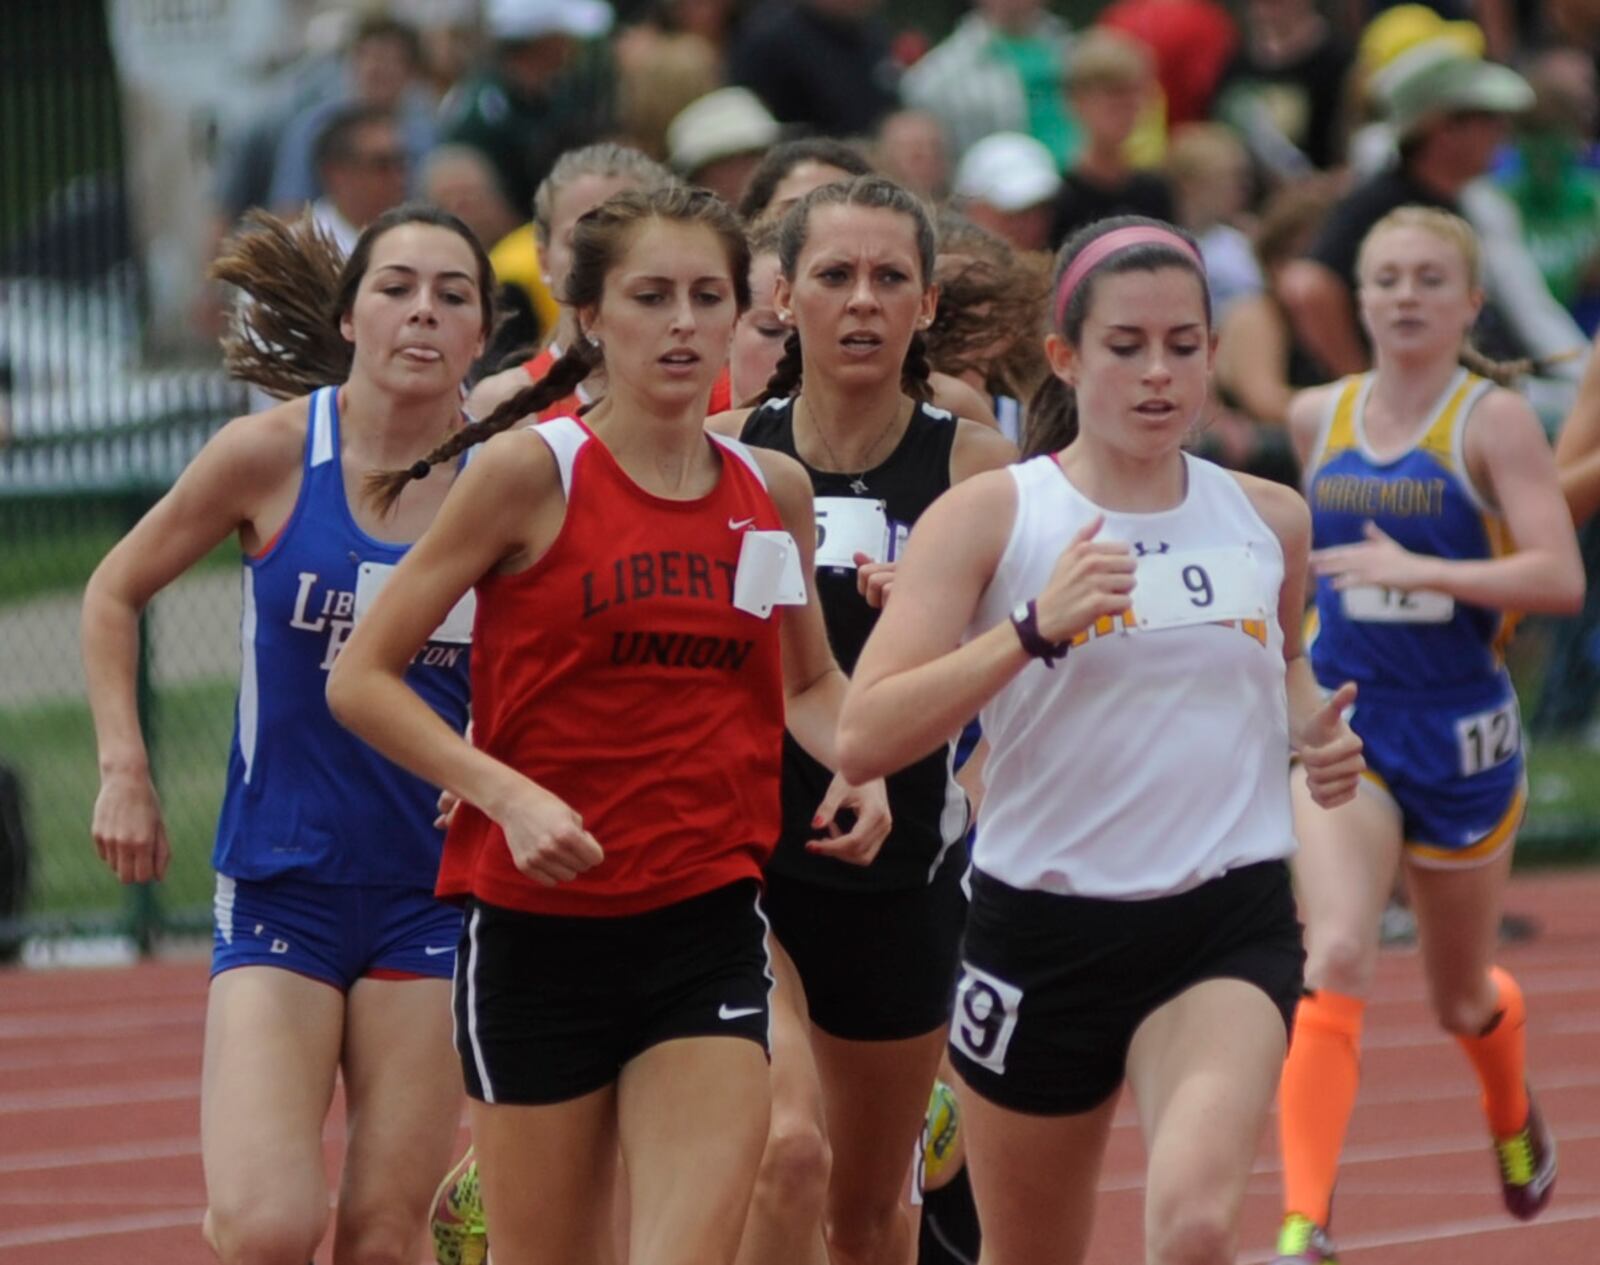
144,906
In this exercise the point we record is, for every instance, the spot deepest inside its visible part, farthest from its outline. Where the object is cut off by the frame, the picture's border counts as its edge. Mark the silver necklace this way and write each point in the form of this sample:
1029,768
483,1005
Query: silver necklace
858,482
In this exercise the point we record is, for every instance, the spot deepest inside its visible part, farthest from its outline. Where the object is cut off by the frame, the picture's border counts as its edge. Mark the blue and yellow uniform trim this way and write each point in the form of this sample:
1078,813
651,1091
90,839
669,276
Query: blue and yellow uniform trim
1436,709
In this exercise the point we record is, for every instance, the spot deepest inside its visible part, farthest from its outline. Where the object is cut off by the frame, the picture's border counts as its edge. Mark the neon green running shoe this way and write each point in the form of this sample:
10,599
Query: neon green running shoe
1527,1162
1303,1242
460,1236
940,1131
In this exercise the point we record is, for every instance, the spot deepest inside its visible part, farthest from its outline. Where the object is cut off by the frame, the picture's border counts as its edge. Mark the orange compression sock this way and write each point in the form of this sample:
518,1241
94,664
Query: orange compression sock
1499,1056
1316,1097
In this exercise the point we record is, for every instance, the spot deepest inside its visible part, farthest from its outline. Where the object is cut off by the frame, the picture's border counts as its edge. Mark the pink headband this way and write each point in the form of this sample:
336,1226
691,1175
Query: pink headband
1108,244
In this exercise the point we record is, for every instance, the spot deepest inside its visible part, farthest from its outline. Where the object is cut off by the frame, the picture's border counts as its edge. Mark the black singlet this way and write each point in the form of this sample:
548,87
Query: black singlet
930,810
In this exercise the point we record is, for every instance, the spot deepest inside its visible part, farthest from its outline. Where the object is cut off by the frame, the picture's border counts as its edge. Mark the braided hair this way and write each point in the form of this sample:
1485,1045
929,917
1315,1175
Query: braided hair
600,242
298,287
1506,373
876,193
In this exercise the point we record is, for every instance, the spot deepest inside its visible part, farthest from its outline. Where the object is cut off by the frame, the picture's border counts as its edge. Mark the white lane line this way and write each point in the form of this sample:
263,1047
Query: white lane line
1382,1153
169,1049
1566,979
80,1097
1557,1214
89,1156
134,1223
103,1023
1458,1088
101,1196
1586,1023
1464,1087
128,1152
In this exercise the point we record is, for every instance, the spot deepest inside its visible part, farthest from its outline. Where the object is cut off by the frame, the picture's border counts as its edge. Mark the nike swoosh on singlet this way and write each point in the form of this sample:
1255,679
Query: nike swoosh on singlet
434,951
725,1011
739,524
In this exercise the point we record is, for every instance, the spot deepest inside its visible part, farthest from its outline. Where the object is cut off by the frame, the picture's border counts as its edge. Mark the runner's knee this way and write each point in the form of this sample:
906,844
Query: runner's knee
1197,1234
795,1165
1340,960
264,1233
1465,1014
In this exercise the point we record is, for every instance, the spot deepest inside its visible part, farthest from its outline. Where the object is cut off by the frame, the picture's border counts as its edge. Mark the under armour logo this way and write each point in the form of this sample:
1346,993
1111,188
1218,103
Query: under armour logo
1142,549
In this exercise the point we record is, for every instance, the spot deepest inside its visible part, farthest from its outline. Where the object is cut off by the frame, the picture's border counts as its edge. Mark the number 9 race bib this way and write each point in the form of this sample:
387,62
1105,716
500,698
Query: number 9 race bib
1197,586
985,1018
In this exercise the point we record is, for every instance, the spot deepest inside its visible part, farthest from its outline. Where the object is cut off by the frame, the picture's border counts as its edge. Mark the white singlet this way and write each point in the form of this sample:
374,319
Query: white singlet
1155,756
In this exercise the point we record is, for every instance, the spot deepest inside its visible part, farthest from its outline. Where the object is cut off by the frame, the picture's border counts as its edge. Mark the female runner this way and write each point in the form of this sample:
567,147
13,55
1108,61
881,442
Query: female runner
793,169
1131,913
1421,475
873,944
621,789
758,338
580,181
331,955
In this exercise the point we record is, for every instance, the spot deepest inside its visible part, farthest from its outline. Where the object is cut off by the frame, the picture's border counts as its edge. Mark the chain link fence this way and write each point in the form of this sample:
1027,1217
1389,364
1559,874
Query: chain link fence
89,438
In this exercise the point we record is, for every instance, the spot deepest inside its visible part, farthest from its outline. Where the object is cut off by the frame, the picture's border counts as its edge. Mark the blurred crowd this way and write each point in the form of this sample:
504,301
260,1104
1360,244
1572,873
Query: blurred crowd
1276,131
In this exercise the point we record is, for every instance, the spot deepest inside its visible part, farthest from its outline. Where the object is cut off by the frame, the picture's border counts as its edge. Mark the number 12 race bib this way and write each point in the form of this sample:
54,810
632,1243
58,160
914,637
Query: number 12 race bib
1377,604
1197,586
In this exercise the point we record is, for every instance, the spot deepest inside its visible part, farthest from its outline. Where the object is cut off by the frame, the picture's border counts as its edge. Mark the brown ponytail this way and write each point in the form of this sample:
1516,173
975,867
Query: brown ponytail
1051,418
916,374
991,317
299,286
282,340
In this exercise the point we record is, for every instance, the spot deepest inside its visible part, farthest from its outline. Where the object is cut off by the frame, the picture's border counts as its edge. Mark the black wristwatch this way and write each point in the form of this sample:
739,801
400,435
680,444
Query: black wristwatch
1025,619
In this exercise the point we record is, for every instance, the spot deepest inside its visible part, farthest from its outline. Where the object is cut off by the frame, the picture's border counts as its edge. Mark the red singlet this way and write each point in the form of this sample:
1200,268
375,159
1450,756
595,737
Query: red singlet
617,674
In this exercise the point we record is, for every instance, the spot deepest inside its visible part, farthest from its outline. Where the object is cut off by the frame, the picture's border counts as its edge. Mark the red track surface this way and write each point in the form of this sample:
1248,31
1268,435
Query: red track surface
100,1077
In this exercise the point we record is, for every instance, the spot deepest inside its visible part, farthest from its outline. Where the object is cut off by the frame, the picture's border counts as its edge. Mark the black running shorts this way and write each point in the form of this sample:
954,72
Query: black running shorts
1052,988
549,1008
876,966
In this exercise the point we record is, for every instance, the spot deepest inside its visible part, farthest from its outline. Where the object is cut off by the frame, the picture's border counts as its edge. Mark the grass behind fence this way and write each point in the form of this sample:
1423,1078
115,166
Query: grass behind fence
51,743
52,747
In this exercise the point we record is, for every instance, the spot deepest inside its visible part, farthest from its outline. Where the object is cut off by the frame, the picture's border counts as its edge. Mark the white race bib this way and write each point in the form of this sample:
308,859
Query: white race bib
768,574
1488,739
985,1017
457,626
1197,586
1377,604
848,525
